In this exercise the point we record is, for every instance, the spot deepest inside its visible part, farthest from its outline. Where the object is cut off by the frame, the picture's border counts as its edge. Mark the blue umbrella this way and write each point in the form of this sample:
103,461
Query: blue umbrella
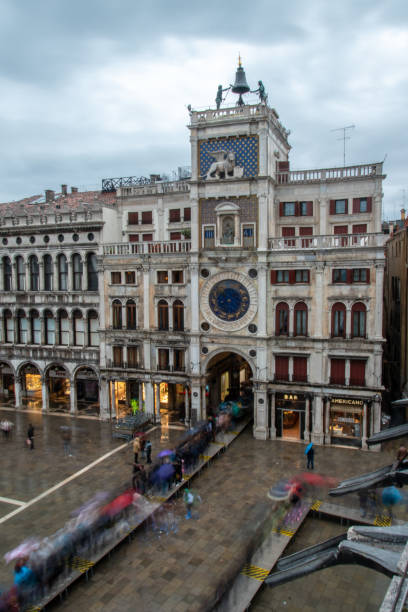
308,447
165,453
391,496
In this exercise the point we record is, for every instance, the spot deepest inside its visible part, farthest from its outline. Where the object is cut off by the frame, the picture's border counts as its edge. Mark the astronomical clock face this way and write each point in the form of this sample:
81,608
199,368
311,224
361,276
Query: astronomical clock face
229,301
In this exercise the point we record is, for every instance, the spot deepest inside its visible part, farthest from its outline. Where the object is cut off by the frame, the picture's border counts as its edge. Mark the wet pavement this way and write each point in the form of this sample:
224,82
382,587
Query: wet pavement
158,571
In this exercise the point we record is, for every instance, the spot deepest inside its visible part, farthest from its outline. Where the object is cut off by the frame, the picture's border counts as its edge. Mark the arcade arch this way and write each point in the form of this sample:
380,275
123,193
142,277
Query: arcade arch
228,378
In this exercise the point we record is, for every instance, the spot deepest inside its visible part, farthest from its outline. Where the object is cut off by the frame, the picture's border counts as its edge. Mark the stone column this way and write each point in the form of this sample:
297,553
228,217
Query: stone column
306,433
376,416
17,391
364,437
27,285
260,425
114,411
318,305
272,430
70,280
149,399
157,403
195,403
146,298
262,301
44,393
322,208
317,435
348,322
347,372
290,369
104,411
140,389
263,222
73,409
378,310
203,403
1,276
41,280
291,322
55,276
327,435
187,419
195,298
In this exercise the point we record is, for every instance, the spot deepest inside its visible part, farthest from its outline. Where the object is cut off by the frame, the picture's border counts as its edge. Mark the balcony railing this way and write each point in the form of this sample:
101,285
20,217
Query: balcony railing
351,241
329,174
147,248
124,191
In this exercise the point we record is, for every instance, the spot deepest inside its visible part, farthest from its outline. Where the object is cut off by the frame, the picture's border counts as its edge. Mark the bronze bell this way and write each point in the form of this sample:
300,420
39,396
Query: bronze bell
240,86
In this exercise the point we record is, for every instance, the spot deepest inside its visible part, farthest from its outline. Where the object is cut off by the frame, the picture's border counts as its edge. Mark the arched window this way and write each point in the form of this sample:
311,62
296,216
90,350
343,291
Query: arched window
8,327
62,273
117,314
35,327
78,328
338,320
22,327
63,328
20,273
91,264
131,314
48,273
300,319
93,333
7,274
282,319
163,314
178,315
34,273
49,323
77,271
358,320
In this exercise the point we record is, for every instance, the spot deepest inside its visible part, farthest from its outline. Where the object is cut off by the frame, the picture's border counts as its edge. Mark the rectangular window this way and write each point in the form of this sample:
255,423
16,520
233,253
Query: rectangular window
174,215
133,218
300,369
187,214
289,231
361,228
338,207
305,209
179,360
248,236
339,275
288,209
147,217
306,231
209,237
163,359
282,276
147,237
175,235
362,205
360,275
357,372
93,332
162,276
36,330
118,356
133,237
302,276
337,371
132,356
130,277
64,330
116,278
177,276
282,368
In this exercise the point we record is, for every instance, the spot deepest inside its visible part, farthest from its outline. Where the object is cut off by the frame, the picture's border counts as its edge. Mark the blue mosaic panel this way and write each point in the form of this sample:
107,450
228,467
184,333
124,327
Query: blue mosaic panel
245,149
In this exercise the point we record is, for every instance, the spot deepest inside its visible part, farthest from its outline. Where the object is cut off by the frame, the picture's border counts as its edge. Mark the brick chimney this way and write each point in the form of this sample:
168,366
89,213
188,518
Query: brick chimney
49,195
402,214
74,189
64,190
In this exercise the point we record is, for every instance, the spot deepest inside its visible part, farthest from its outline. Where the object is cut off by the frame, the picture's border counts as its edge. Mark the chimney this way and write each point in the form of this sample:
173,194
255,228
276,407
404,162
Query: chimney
402,214
64,190
74,189
49,195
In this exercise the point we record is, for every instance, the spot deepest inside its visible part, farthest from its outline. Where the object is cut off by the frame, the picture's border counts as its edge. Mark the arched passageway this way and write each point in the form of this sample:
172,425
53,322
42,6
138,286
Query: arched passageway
59,388
31,391
228,379
6,384
86,392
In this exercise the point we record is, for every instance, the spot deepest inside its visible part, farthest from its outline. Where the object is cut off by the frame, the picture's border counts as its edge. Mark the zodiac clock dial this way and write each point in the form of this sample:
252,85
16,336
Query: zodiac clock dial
229,300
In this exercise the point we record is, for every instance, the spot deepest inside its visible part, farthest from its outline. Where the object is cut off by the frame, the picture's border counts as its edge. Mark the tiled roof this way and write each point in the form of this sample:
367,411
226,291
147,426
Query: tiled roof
80,201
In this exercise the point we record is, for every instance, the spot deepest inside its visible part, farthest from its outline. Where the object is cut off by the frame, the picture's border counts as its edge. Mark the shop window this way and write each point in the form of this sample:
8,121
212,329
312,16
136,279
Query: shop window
338,320
118,356
20,273
22,327
300,369
147,217
178,316
282,319
163,359
78,328
132,356
116,278
362,205
8,327
175,235
163,315
282,368
337,371
77,272
162,277
357,372
7,274
358,320
361,275
178,356
34,268
248,236
345,423
49,323
48,273
130,277
338,207
300,319
62,273
177,277
209,237
117,314
286,232
93,332
63,328
174,215
91,263
35,325
187,214
306,231
302,276
131,314
133,218
340,275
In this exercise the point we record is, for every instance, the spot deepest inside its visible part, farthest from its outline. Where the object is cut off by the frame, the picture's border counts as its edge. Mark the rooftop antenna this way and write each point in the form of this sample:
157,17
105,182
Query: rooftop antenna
344,138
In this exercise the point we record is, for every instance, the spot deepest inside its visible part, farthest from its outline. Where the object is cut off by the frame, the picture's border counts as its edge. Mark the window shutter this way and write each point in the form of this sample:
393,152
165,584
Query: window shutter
346,209
292,274
133,237
357,372
305,231
361,228
340,229
368,275
132,218
349,276
288,231
297,209
300,369
337,371
309,209
281,209
273,277
356,205
332,207
282,368
369,204
187,214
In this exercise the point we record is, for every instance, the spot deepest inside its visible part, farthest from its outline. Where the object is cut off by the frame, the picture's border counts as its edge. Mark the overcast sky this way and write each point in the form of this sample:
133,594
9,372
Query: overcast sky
94,89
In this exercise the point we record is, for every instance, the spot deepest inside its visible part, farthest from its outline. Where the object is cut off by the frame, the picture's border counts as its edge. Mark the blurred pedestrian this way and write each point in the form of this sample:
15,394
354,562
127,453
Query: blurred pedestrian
6,428
310,456
148,451
142,448
136,448
188,499
401,456
66,438
30,436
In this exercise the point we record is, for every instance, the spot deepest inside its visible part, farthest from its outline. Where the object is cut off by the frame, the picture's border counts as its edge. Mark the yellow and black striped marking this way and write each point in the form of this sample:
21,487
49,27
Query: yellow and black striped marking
286,532
316,505
81,565
218,443
382,521
255,572
205,457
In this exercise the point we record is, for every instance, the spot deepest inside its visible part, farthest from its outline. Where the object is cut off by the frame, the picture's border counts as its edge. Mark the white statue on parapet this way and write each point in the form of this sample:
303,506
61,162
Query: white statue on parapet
224,166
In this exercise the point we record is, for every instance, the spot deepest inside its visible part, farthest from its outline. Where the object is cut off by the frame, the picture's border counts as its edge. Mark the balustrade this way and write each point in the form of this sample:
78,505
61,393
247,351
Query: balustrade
328,174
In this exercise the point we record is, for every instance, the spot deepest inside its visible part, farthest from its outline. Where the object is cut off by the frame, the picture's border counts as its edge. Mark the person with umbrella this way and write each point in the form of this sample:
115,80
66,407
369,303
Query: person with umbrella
309,452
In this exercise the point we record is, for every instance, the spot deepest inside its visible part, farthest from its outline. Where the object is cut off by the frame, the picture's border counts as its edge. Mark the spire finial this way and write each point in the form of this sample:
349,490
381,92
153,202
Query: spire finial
239,60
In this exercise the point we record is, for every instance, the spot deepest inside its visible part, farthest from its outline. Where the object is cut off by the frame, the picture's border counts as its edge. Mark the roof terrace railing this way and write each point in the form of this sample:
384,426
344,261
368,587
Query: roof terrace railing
329,174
